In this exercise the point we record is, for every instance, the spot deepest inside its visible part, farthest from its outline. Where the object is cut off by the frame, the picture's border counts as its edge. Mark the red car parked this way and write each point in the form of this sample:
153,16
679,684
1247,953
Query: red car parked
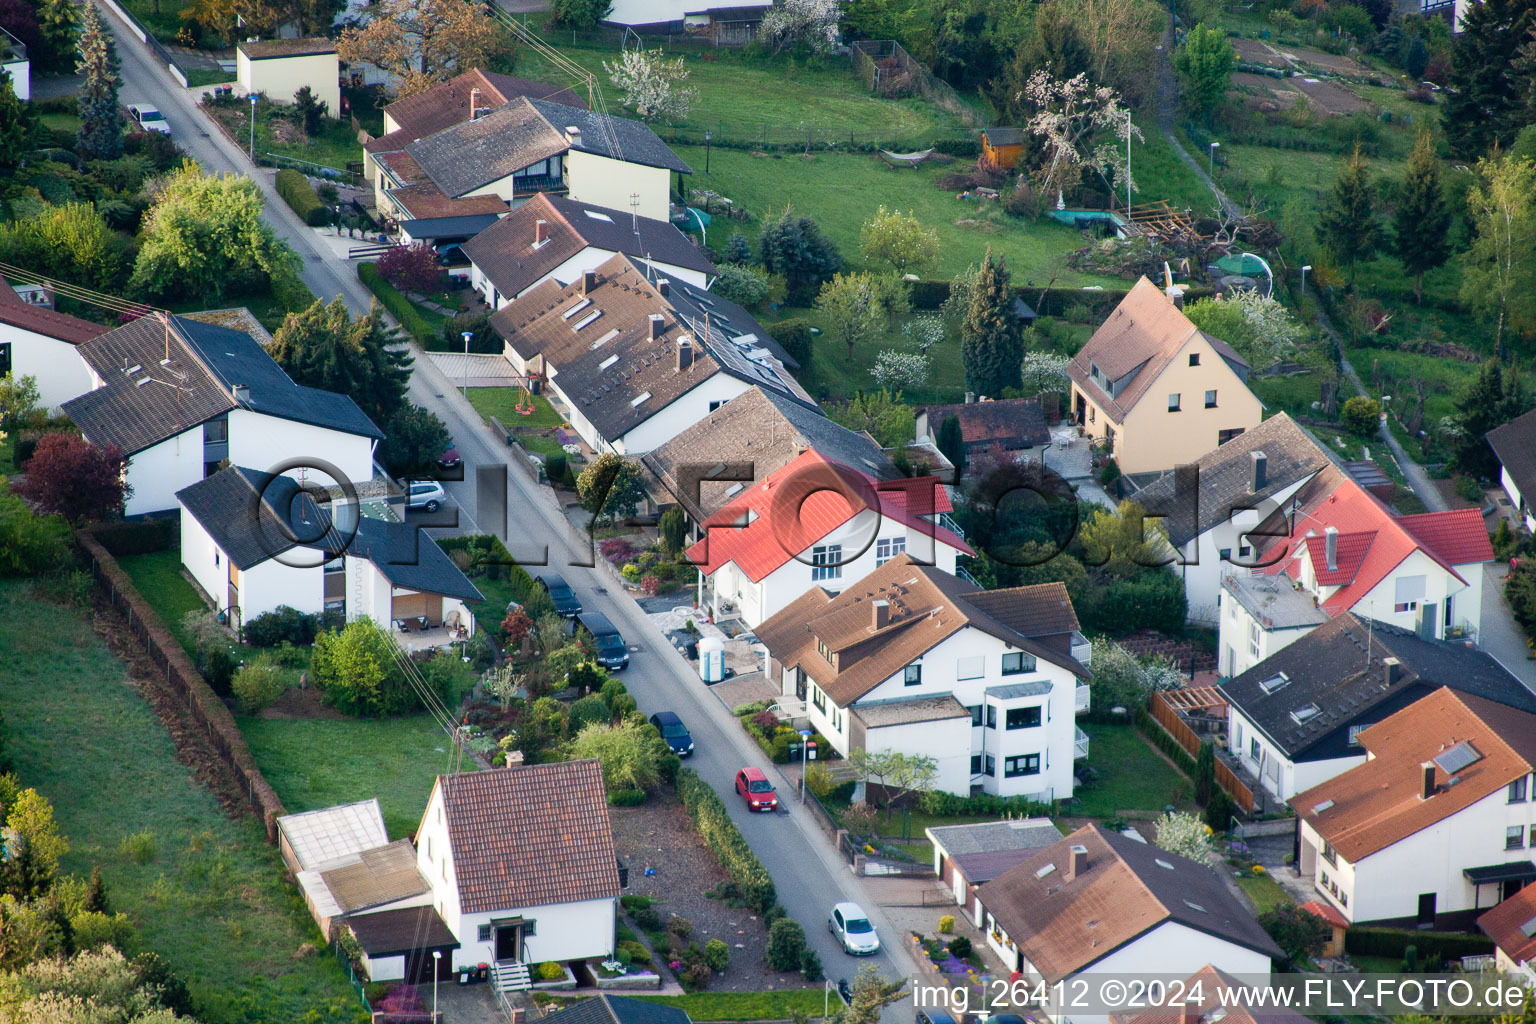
756,790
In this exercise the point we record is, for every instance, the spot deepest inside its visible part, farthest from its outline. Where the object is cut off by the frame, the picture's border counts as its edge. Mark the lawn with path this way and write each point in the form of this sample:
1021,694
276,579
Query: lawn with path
212,897
536,431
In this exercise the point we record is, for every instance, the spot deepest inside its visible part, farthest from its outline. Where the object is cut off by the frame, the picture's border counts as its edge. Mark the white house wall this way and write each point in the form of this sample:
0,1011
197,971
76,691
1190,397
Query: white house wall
281,77
601,181
271,584
947,741
652,12
1513,491
21,78
1379,603
60,372
262,442
159,471
1234,640
683,412
1204,566
203,559
1281,776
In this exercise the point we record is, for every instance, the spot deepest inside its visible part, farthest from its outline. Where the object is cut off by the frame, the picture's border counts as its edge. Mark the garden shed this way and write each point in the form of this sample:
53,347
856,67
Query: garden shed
1002,146
281,67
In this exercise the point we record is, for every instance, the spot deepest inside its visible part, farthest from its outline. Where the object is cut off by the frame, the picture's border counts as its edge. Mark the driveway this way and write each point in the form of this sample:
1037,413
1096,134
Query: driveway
1502,639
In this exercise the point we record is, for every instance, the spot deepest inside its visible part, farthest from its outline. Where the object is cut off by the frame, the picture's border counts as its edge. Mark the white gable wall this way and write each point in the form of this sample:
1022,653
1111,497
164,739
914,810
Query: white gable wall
159,471
602,181
259,441
203,559
1281,776
61,373
684,411
1239,632
270,584
1203,565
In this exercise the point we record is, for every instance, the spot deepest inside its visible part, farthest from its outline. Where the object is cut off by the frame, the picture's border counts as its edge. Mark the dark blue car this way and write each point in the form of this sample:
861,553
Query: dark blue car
560,592
674,732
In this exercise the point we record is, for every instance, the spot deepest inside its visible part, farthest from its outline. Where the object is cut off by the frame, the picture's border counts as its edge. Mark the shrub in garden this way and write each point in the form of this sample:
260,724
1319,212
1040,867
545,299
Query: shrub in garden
794,335
282,625
589,710
554,466
960,947
774,913
260,681
680,926
412,268
725,840
300,196
650,585
947,924
674,530
551,971
626,798
1361,415
398,305
79,481
810,965
717,955
647,917
786,945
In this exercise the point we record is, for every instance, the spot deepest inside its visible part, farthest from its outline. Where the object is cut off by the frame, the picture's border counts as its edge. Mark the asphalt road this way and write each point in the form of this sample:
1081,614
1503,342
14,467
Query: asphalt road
809,873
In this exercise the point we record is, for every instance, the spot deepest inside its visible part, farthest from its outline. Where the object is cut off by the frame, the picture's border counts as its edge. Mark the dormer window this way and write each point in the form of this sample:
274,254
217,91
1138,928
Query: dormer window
823,650
1305,714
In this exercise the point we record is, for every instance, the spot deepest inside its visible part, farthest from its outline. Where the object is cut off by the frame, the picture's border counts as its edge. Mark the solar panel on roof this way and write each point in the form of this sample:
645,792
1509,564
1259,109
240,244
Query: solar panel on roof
1458,757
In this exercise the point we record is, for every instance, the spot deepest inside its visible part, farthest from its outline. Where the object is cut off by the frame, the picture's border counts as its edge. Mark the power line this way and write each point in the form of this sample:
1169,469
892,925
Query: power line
78,293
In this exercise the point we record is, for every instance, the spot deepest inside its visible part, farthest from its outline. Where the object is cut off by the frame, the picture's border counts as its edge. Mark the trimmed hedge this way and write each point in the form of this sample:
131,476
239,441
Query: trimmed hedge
940,803
928,294
1390,943
1164,741
722,836
398,305
300,196
141,538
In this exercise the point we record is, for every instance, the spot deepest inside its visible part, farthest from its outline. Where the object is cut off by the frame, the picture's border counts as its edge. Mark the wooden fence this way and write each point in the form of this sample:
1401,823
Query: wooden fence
889,70
203,706
1184,736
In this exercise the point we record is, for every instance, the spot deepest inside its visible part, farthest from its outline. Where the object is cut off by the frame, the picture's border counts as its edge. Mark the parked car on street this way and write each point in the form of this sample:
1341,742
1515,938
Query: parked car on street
674,732
148,118
426,494
450,459
560,592
611,651
753,787
853,930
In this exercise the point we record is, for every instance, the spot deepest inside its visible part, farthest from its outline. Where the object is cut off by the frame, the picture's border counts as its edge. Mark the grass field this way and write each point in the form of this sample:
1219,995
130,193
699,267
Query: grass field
212,899
1133,776
1263,892
317,762
334,145
158,577
715,1006
530,430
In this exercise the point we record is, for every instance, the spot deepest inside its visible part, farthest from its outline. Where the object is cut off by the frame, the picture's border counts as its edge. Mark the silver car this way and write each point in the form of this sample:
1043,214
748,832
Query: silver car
427,494
851,926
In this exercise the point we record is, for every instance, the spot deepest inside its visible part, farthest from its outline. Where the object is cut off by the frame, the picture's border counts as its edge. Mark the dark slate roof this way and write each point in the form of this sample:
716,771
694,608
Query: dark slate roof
1339,667
449,227
1226,473
530,835
392,932
504,252
1515,445
447,103
1010,422
1004,136
253,516
161,399
606,1009
766,430
618,138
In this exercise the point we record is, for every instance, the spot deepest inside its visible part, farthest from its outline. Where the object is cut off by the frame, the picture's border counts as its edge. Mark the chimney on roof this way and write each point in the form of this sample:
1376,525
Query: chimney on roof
588,281
880,614
573,135
540,232
1189,1013
240,393
1389,670
1331,547
970,398
1077,861
474,103
664,287
658,326
1428,789
1260,475
684,353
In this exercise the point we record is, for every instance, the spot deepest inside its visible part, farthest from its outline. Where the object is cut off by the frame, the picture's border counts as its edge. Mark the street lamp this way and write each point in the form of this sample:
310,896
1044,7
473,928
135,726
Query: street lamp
467,336
805,746
706,150
437,956
1214,147
253,128
1304,268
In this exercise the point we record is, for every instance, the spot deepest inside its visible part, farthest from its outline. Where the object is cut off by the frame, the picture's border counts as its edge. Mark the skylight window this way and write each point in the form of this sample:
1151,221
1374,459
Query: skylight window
577,308
1043,871
1163,864
1320,808
733,490
606,338
1275,682
607,362
640,398
598,216
1529,929
1194,906
584,321
1458,757
1305,714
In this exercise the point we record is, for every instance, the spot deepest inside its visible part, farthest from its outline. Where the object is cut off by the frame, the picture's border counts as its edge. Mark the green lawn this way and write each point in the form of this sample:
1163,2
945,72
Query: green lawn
199,77
533,431
158,577
317,762
1134,778
213,899
1263,892
712,1006
334,145
749,97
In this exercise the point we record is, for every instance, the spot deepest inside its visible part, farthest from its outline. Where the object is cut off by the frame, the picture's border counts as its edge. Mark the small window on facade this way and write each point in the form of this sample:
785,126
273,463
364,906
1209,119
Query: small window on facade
826,562
991,719
1173,403
1254,750
485,933
975,764
1194,359
1025,764
887,548
991,766
1017,662
975,710
1514,837
1210,399
1517,790
1023,718
913,675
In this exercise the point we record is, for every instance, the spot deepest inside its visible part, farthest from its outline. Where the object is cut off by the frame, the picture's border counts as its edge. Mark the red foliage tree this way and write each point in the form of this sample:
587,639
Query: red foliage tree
516,628
76,480
411,268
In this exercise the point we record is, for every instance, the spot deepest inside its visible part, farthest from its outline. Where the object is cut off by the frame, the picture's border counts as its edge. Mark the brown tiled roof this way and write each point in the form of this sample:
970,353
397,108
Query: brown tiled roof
427,201
765,430
1380,802
447,103
403,167
927,605
1208,984
266,48
1011,422
1040,610
530,835
1063,925
378,876
47,322
1147,330
505,253
470,154
1512,925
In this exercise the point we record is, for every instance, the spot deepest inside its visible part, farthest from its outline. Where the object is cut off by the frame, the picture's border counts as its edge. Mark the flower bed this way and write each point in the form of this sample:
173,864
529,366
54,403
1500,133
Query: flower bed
611,974
775,736
566,982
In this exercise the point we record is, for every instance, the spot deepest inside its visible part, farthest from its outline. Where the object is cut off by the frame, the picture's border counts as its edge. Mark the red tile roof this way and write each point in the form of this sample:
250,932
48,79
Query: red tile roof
1512,925
1459,535
1317,908
47,322
800,504
530,835
1372,542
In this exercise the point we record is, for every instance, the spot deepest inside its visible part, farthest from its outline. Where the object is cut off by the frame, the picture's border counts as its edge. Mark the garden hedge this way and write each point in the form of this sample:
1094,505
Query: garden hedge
941,803
1390,943
141,538
1165,741
929,294
398,305
722,836
300,195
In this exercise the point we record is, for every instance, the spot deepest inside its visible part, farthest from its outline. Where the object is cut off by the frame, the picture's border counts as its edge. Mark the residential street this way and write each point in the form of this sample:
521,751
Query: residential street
809,873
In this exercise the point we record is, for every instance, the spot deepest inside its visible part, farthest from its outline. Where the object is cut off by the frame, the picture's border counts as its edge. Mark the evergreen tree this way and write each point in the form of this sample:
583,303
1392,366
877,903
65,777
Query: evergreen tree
18,125
101,127
795,248
311,110
991,342
324,347
738,250
1480,408
1204,65
1205,774
1423,216
1347,222
1415,57
1483,103
952,444
59,23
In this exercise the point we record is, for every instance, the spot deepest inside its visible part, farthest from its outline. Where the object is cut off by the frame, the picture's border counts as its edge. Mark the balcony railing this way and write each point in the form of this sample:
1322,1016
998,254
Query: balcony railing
529,185
1082,650
960,572
1083,698
1080,746
945,520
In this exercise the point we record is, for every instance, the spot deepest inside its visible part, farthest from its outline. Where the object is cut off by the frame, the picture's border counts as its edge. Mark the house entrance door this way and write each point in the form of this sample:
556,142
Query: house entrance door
509,942
1426,918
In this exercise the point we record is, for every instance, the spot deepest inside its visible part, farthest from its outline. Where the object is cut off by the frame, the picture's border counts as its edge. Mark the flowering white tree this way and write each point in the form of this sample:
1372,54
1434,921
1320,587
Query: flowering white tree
652,84
925,331
793,21
897,370
1185,835
1080,125
1276,332
1044,371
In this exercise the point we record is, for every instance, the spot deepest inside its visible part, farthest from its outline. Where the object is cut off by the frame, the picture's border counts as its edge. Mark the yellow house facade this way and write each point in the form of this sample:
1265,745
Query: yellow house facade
1157,390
